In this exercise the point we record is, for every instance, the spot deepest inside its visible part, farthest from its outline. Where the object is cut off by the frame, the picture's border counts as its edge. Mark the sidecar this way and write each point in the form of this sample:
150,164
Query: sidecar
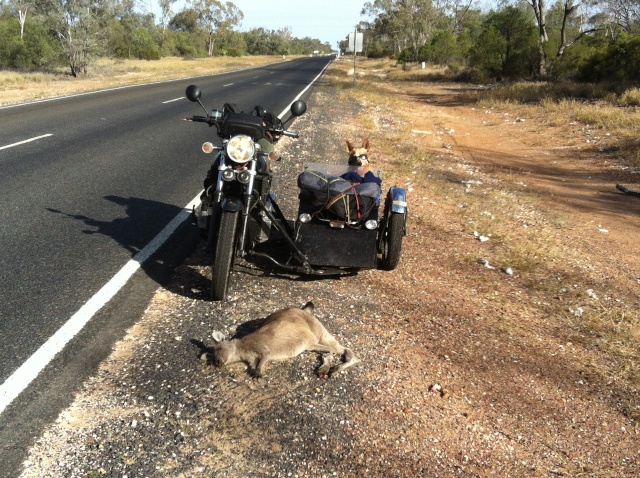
339,228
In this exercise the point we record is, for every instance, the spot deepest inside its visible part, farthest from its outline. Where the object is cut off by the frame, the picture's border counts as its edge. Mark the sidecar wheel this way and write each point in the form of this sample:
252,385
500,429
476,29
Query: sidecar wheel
392,242
223,259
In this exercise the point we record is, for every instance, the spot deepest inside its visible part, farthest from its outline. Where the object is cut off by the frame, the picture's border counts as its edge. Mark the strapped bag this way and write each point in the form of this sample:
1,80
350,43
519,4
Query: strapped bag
351,202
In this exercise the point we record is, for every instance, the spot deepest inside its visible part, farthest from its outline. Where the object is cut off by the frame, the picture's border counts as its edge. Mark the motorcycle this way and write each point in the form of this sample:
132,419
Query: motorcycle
336,232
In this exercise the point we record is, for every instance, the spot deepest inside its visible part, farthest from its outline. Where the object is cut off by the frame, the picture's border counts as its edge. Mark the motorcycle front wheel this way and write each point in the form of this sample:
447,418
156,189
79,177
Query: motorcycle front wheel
224,253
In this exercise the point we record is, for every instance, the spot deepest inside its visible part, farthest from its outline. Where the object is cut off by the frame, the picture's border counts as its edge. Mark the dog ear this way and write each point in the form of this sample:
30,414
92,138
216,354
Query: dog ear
365,143
349,146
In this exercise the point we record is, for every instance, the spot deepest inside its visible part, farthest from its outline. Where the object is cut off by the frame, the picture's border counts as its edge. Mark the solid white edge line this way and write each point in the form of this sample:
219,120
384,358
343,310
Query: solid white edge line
26,141
175,99
31,368
286,110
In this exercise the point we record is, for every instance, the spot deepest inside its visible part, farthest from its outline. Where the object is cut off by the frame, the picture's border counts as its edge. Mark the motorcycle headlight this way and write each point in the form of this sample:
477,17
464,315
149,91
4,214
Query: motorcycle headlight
240,149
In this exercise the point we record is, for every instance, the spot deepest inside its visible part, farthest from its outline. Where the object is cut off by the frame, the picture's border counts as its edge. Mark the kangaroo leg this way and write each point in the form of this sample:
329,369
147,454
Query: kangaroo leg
348,357
325,366
348,360
259,366
323,349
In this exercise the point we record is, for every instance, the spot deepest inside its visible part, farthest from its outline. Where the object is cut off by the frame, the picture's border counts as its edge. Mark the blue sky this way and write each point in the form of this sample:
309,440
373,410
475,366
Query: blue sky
328,20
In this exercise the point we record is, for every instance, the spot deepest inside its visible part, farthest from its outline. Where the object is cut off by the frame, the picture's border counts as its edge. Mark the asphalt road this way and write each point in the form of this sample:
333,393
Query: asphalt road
105,174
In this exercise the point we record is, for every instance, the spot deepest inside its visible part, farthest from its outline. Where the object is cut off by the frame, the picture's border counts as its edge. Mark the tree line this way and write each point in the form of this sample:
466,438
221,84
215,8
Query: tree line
48,34
584,40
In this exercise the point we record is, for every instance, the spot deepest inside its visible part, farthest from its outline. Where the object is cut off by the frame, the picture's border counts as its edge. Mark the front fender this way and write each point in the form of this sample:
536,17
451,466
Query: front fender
398,198
231,204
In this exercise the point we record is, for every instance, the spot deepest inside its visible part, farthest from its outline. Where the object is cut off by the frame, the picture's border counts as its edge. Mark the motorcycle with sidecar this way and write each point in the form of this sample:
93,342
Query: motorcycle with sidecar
339,228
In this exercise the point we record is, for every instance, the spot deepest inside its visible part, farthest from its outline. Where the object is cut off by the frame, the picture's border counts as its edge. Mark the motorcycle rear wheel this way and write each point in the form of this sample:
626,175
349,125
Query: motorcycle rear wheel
224,254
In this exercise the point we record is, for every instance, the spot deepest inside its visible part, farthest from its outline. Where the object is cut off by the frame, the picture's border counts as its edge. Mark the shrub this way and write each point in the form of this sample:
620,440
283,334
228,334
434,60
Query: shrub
234,52
618,62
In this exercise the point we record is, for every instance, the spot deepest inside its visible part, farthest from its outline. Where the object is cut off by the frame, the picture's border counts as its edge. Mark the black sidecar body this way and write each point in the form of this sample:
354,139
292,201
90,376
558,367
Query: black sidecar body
343,225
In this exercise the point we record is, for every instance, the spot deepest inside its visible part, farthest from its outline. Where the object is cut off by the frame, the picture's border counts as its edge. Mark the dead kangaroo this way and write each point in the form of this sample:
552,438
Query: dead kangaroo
284,334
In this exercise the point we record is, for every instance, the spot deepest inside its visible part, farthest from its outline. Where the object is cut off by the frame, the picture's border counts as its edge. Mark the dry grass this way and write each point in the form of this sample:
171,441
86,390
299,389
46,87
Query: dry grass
505,211
614,114
614,328
108,73
528,388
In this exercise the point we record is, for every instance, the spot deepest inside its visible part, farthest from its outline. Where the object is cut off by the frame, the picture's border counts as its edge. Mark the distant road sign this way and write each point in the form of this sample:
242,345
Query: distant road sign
355,42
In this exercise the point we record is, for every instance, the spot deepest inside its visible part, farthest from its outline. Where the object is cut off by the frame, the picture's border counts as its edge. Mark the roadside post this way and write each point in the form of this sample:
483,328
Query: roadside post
355,46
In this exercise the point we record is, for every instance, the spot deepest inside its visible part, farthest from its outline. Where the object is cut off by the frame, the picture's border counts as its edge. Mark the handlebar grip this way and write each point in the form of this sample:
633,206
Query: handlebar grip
201,119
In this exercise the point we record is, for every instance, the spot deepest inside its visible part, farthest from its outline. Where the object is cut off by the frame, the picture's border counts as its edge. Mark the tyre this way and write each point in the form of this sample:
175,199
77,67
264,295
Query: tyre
224,253
392,242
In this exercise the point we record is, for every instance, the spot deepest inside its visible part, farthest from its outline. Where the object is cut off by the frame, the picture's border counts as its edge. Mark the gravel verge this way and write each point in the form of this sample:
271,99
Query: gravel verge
463,371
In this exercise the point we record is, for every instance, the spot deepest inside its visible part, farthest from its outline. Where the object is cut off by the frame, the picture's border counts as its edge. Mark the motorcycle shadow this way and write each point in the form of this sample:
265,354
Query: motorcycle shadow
141,222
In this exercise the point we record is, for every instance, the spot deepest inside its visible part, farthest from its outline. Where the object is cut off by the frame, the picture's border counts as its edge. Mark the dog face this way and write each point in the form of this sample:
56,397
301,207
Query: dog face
358,156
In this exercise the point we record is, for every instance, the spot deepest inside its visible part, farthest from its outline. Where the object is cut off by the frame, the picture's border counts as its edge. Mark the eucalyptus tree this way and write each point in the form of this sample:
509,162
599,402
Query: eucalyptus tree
76,25
625,14
578,18
20,8
166,10
409,23
215,19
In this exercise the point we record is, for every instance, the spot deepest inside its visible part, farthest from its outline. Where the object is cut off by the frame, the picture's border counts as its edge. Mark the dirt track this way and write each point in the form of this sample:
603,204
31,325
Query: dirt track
525,391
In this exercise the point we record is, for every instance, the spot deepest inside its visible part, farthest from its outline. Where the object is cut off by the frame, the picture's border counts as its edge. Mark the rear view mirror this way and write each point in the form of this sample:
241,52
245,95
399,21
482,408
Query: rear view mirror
193,93
298,108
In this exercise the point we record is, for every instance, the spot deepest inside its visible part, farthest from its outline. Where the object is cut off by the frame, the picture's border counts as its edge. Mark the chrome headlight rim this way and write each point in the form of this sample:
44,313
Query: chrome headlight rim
240,149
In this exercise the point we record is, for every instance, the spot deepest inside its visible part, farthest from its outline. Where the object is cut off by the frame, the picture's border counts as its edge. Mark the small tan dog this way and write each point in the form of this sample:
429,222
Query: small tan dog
284,334
359,156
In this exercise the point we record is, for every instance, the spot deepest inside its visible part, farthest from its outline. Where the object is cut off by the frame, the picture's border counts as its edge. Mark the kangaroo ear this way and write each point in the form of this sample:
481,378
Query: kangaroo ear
308,307
217,336
365,143
349,146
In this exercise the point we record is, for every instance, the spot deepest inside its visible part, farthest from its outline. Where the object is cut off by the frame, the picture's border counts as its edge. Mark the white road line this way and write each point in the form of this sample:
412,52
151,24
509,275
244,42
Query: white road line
26,141
124,87
29,370
286,110
175,99
228,84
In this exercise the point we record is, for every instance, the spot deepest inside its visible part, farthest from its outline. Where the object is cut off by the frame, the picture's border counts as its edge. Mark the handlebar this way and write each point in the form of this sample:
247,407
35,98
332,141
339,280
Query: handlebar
280,131
211,121
272,125
202,119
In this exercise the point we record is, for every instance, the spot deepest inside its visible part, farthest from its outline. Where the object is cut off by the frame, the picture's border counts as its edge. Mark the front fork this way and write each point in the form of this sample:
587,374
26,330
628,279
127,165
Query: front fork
247,205
214,220
221,203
